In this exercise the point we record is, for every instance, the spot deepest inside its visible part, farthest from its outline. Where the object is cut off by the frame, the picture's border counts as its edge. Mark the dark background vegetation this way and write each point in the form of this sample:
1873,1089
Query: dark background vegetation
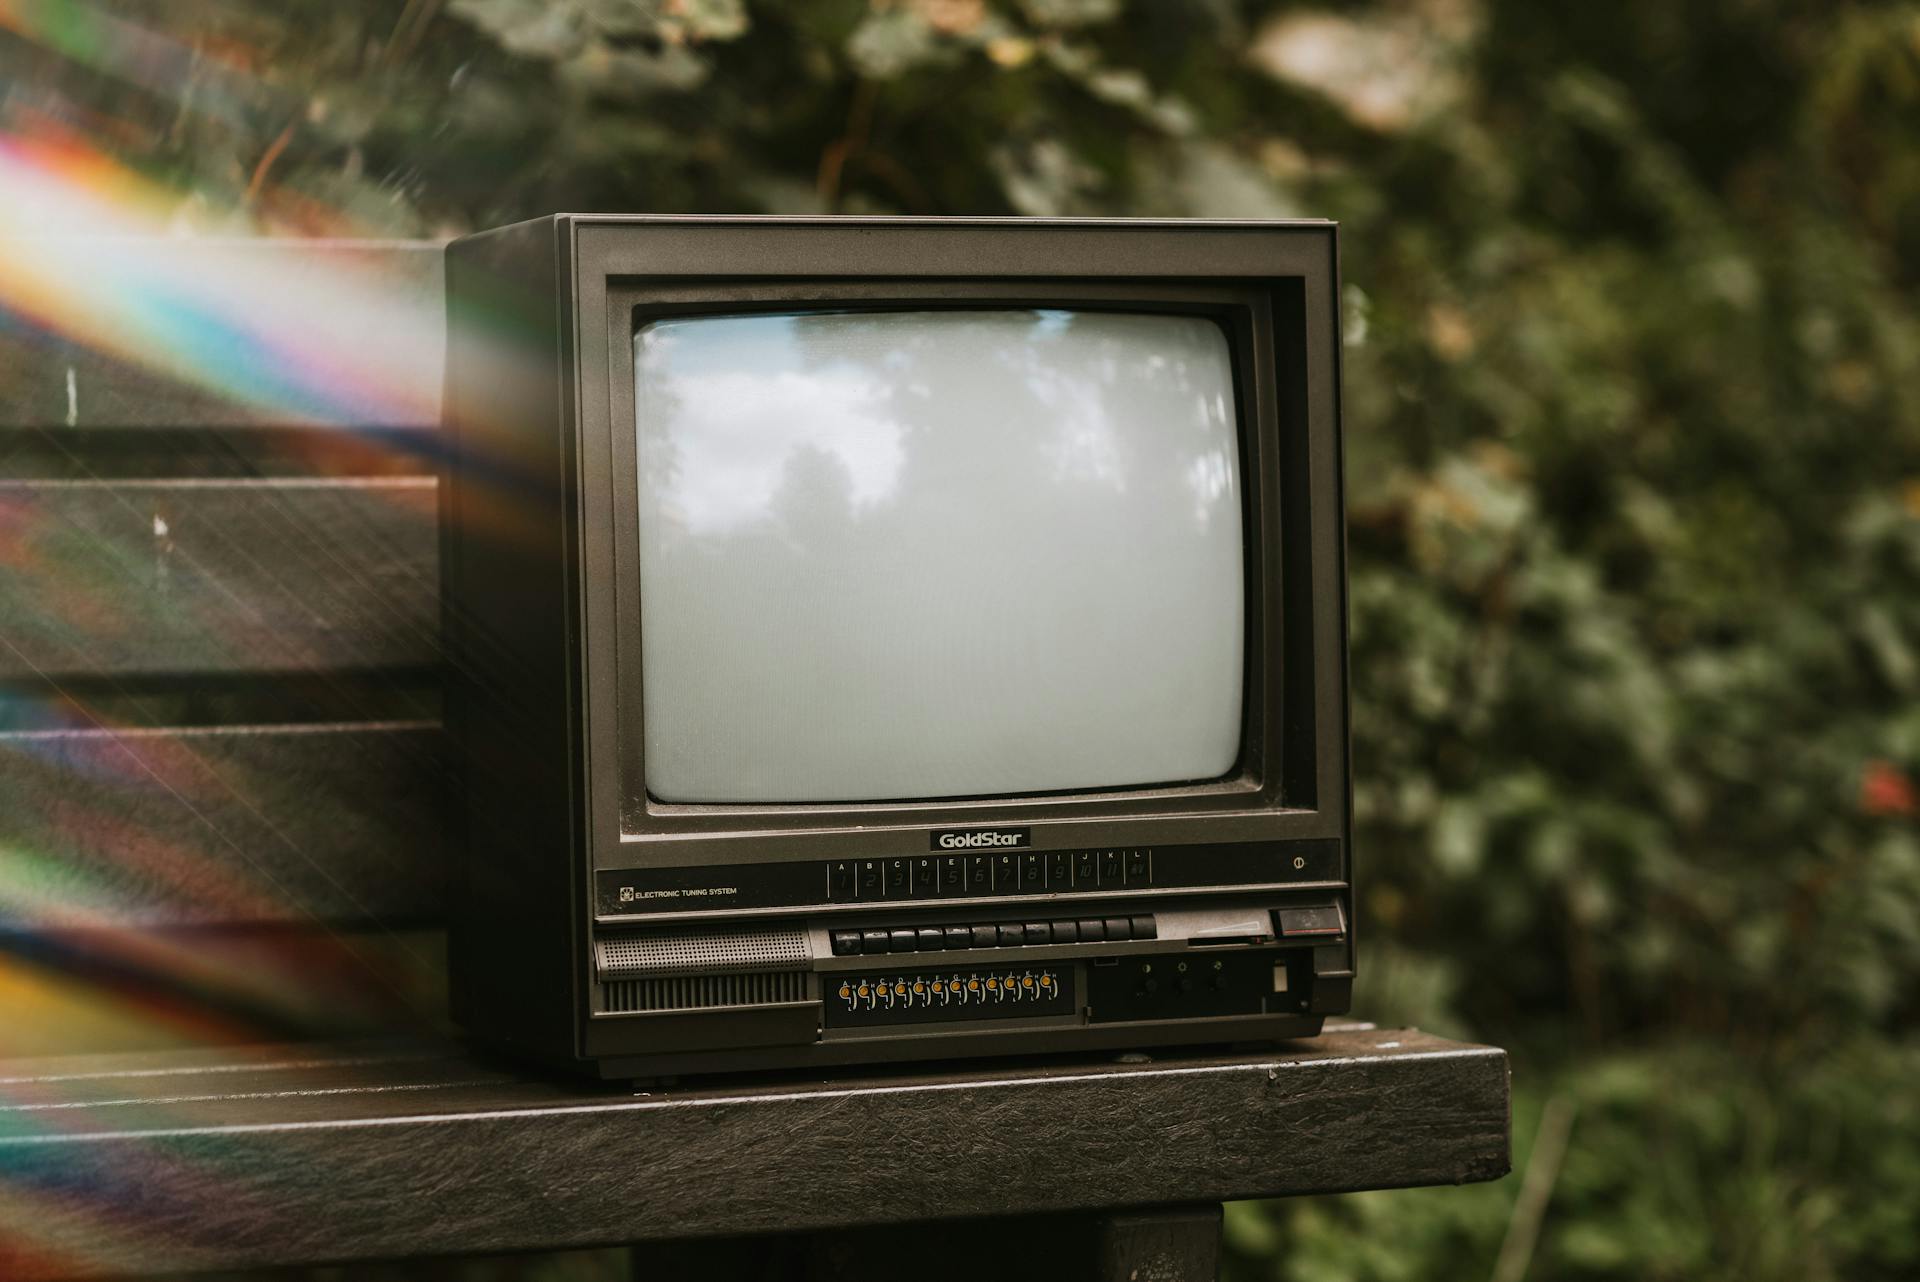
1632,391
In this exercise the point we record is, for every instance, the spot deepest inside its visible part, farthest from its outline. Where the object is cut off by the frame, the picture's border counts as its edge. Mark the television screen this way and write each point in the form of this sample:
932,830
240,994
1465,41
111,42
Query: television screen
901,555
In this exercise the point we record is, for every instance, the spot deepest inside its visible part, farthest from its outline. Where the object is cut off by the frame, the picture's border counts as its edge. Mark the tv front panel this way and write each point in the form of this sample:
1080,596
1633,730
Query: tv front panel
880,639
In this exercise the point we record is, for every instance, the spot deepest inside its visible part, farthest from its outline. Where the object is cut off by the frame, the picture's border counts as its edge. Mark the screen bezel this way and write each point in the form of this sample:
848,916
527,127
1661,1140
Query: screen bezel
1294,698
1241,324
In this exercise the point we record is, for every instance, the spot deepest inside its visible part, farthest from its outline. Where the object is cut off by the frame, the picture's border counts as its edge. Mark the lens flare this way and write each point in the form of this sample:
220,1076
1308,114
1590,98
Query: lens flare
109,824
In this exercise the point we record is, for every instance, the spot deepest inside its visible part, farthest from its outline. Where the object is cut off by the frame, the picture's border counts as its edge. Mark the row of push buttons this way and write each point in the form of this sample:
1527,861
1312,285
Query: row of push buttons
942,876
933,939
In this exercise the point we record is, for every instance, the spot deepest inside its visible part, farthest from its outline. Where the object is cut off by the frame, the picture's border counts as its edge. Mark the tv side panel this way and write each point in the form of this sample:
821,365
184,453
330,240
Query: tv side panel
508,569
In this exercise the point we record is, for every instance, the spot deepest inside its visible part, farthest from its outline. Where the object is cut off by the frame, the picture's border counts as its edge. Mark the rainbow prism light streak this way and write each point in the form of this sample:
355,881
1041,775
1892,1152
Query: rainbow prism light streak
300,341
91,257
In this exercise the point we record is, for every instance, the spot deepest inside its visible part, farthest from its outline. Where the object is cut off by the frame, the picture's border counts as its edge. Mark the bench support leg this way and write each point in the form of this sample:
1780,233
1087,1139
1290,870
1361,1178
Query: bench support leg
1171,1244
1157,1244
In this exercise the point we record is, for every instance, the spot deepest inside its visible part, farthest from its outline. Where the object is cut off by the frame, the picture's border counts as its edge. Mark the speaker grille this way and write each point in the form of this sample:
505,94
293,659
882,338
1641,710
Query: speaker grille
703,992
706,954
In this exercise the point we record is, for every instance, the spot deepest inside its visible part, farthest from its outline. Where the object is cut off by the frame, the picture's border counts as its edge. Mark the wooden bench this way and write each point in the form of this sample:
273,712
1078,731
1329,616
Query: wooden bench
220,875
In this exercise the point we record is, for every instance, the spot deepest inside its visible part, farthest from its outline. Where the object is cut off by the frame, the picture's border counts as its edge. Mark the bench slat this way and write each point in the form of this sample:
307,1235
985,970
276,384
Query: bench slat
300,823
205,576
138,993
212,332
371,1160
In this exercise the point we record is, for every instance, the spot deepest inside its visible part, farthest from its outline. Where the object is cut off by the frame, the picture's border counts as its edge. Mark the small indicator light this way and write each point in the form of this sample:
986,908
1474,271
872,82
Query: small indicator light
1181,967
954,986
992,984
974,984
919,987
1219,965
1026,981
863,990
899,990
845,991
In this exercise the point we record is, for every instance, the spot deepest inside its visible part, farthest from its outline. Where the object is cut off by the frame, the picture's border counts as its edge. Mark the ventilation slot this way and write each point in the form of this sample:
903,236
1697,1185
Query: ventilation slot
703,992
632,956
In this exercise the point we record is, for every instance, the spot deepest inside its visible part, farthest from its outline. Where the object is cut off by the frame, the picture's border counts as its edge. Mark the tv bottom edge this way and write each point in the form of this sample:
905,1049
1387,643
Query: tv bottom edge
1105,1040
1025,979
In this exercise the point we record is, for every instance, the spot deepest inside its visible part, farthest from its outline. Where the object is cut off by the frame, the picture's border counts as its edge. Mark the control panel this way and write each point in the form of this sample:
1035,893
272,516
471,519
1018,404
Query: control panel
945,876
955,993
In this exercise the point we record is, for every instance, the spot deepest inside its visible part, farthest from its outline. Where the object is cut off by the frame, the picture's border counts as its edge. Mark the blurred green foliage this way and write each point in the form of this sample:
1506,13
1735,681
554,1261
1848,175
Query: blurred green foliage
1632,392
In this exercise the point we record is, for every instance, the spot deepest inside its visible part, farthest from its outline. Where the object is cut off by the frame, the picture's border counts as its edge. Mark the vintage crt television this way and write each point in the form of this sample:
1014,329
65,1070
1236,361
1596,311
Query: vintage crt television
894,639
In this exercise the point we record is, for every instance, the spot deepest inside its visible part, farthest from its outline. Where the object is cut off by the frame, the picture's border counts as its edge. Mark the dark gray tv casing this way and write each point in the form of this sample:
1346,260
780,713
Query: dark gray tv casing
602,930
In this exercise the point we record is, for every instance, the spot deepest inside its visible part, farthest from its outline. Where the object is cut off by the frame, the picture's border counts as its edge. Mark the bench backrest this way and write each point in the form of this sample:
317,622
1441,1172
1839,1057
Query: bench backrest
219,689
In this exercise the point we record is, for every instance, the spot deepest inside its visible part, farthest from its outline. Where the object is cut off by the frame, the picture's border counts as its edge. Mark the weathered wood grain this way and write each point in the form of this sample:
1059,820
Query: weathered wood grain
211,333
206,576
138,1165
238,824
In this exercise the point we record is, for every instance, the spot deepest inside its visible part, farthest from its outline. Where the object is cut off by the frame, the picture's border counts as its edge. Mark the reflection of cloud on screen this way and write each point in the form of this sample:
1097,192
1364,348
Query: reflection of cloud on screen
737,432
1211,477
1082,444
